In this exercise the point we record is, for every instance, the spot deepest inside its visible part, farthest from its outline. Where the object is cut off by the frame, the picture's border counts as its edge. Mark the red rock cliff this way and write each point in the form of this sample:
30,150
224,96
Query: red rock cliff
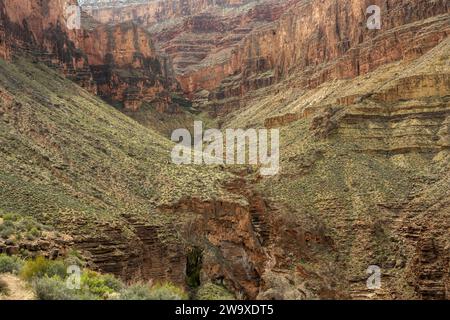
118,62
238,46
326,39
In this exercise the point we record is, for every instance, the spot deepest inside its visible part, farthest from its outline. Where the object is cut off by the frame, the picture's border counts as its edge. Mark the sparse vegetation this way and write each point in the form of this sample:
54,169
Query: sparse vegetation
161,291
210,291
15,226
4,289
41,267
10,264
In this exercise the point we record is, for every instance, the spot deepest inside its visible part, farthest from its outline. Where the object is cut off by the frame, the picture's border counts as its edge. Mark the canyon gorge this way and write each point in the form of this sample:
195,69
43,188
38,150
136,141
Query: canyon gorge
363,114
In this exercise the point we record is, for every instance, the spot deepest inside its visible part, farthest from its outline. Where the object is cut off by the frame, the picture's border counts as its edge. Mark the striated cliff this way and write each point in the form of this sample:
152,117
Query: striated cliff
125,66
365,161
234,47
117,62
364,118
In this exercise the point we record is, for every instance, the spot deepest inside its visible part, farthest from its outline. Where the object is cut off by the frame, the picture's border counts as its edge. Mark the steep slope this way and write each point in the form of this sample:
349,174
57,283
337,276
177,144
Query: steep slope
73,162
223,50
365,137
118,62
364,178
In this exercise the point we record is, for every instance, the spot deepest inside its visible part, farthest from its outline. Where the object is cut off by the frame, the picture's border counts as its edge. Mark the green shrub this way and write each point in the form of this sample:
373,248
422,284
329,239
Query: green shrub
99,285
7,229
41,267
167,291
210,291
162,291
113,283
33,233
30,237
4,289
10,264
10,217
136,292
85,295
53,288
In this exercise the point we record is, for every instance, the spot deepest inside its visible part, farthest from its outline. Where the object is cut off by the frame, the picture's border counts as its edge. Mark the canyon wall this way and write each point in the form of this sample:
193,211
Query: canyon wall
117,62
364,173
150,12
326,40
239,46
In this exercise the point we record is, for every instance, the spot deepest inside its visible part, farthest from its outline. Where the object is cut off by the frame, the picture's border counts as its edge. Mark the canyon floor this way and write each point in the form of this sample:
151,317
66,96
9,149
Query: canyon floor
364,122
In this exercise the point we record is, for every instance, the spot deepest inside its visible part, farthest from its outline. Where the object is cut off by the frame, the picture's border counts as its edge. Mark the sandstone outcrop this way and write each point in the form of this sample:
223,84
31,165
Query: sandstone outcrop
117,62
235,47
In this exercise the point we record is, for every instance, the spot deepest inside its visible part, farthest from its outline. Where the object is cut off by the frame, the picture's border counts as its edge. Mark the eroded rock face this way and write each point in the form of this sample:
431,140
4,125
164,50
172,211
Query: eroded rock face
364,177
118,62
125,65
38,29
237,47
201,37
144,254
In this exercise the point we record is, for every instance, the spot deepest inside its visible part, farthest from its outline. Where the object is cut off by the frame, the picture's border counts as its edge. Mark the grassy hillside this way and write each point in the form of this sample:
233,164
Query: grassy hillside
370,171
65,152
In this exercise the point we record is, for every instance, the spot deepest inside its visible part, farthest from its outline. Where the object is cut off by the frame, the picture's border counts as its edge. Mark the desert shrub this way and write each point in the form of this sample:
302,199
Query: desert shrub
41,267
113,283
10,217
86,295
53,288
8,224
30,237
167,291
99,285
4,289
210,291
35,232
136,292
7,228
10,264
162,291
